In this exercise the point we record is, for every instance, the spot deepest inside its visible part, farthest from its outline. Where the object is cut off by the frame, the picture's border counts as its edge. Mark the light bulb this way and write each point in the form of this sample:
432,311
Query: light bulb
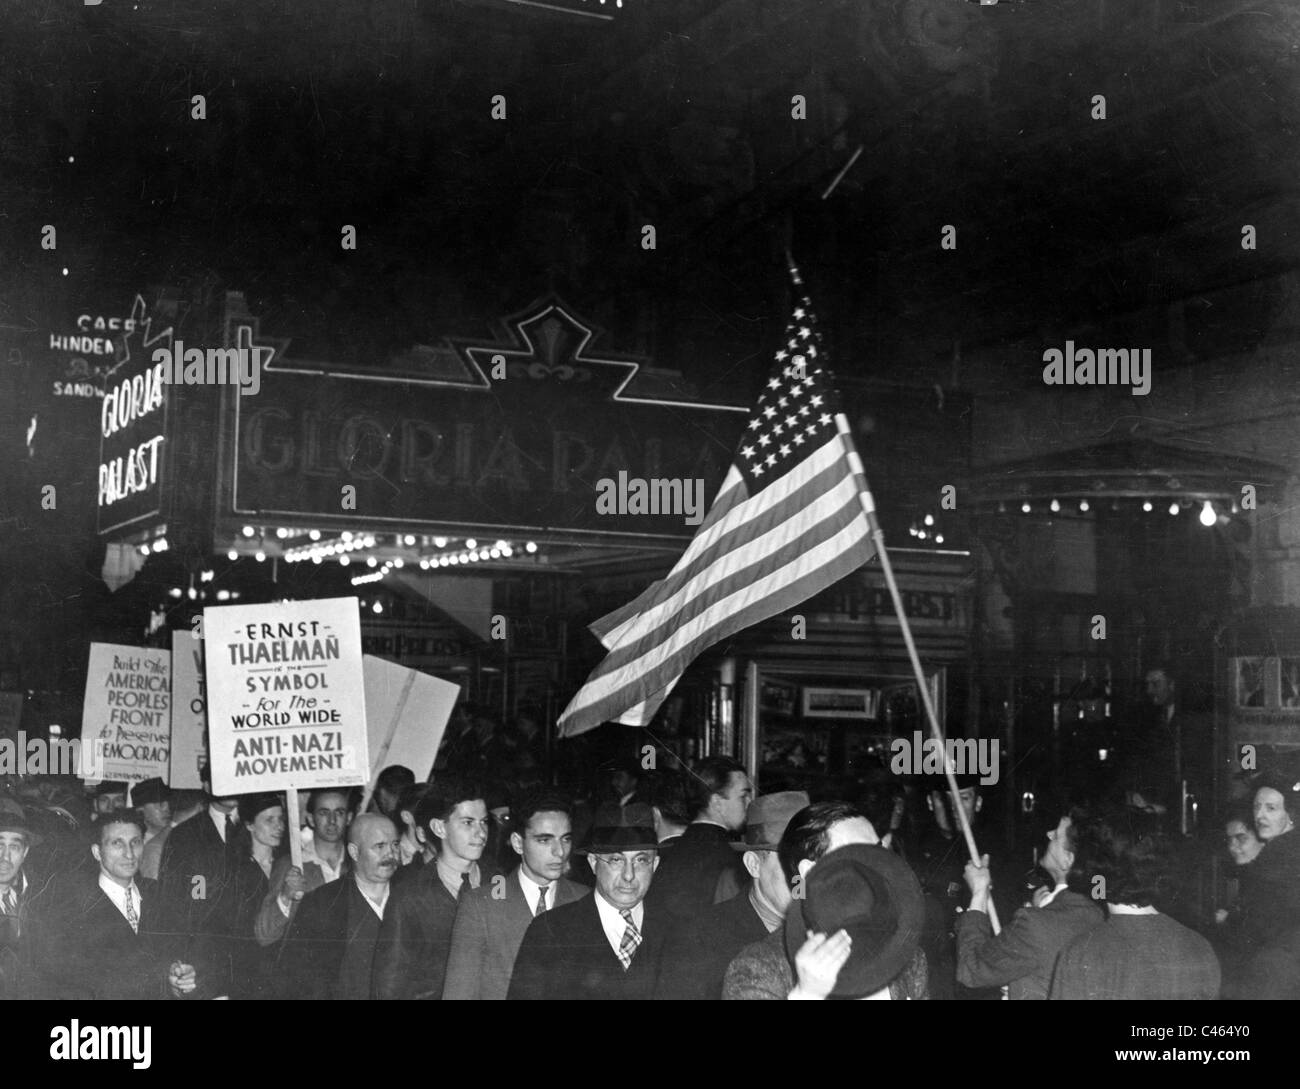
1083,506
1208,517
1056,506
1025,507
1147,506
1173,508
929,519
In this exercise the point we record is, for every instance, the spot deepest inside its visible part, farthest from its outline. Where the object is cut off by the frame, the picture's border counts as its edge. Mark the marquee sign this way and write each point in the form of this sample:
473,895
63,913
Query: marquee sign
513,434
133,429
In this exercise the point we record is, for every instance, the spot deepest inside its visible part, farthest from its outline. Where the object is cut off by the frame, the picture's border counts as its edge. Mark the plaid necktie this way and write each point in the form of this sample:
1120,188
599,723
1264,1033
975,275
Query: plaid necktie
541,902
631,939
131,916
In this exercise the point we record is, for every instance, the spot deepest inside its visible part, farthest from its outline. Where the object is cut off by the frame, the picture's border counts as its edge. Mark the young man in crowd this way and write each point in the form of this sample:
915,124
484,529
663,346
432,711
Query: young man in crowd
720,793
1138,952
1023,955
699,950
605,946
415,937
492,919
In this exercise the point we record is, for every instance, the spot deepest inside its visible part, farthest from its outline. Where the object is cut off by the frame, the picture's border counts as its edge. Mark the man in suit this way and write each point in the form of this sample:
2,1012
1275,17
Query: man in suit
324,859
18,937
491,920
1138,953
415,937
153,798
605,946
1023,955
330,949
107,941
199,862
698,951
687,883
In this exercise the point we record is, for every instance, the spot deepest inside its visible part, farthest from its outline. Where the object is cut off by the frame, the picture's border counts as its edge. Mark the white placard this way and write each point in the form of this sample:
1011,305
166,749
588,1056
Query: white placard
126,717
414,707
189,711
286,696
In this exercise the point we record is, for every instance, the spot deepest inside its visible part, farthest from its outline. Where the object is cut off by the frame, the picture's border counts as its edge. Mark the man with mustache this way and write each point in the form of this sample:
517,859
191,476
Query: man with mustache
329,952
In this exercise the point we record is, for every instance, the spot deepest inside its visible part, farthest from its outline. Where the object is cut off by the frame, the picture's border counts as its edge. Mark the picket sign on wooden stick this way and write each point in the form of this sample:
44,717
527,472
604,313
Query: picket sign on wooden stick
293,821
382,756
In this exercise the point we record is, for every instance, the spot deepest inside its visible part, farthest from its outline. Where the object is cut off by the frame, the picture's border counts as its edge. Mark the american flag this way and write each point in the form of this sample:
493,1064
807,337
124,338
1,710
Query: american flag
793,516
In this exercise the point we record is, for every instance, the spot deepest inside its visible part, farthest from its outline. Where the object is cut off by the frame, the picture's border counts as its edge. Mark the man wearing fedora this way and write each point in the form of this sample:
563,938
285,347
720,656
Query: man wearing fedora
607,945
17,893
698,950
766,969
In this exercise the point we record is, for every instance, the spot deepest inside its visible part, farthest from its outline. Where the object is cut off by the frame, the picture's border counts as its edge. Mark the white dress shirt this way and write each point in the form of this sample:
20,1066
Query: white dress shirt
377,906
120,895
330,873
219,819
532,891
615,926
1053,894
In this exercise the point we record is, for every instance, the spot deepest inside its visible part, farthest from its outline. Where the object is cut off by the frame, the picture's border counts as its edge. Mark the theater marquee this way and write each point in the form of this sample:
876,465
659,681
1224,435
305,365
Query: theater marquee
508,435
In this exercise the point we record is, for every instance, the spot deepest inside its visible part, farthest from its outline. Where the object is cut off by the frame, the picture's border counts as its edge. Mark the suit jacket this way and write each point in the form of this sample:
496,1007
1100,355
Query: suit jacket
686,882
762,971
194,874
1138,957
487,934
1024,954
23,938
94,953
312,954
698,950
565,955
415,936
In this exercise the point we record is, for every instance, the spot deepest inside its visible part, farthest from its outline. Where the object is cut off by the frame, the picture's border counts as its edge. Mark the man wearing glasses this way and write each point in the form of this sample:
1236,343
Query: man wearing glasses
605,946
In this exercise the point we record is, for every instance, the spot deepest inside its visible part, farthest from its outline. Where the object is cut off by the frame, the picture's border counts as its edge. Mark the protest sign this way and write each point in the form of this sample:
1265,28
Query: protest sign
126,716
406,714
189,712
286,696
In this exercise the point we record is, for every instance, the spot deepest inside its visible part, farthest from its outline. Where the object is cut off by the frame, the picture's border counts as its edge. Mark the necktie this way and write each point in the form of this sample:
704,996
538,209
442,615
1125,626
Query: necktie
9,903
131,916
631,939
541,902
231,827
464,882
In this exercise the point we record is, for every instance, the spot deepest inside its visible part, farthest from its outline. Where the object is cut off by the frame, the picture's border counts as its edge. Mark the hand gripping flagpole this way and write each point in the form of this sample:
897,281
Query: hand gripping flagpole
878,536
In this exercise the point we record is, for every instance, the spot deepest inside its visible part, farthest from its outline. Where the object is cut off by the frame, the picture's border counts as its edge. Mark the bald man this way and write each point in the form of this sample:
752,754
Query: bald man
331,943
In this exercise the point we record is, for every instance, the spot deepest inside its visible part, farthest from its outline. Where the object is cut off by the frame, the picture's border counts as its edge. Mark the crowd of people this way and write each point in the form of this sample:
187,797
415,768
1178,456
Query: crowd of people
668,884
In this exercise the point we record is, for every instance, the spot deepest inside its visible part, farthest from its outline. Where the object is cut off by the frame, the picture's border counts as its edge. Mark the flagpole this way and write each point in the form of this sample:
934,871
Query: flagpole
878,536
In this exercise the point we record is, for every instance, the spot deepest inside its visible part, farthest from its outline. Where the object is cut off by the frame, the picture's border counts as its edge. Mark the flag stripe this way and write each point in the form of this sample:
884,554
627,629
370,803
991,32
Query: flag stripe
604,695
785,498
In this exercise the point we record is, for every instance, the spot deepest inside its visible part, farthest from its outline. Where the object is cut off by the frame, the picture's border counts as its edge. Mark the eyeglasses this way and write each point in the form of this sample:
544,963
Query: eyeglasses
641,863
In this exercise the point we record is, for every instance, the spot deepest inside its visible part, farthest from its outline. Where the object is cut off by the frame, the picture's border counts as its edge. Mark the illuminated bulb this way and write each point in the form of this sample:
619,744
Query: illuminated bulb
372,562
314,534
929,519
248,531
1147,506
471,543
1173,508
232,555
506,550
938,538
378,608
408,539
440,542
399,563
1056,506
453,559
424,565
346,535
370,541
1083,506
192,593
260,557
500,544
1025,507
316,558
495,553
175,591
344,561
144,550
65,272
281,533
1208,517
223,595
531,546
160,545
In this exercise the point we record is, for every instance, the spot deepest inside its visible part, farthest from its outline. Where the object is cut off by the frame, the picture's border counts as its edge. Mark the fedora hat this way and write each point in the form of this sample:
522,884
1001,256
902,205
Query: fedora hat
622,828
871,894
150,792
766,818
13,818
